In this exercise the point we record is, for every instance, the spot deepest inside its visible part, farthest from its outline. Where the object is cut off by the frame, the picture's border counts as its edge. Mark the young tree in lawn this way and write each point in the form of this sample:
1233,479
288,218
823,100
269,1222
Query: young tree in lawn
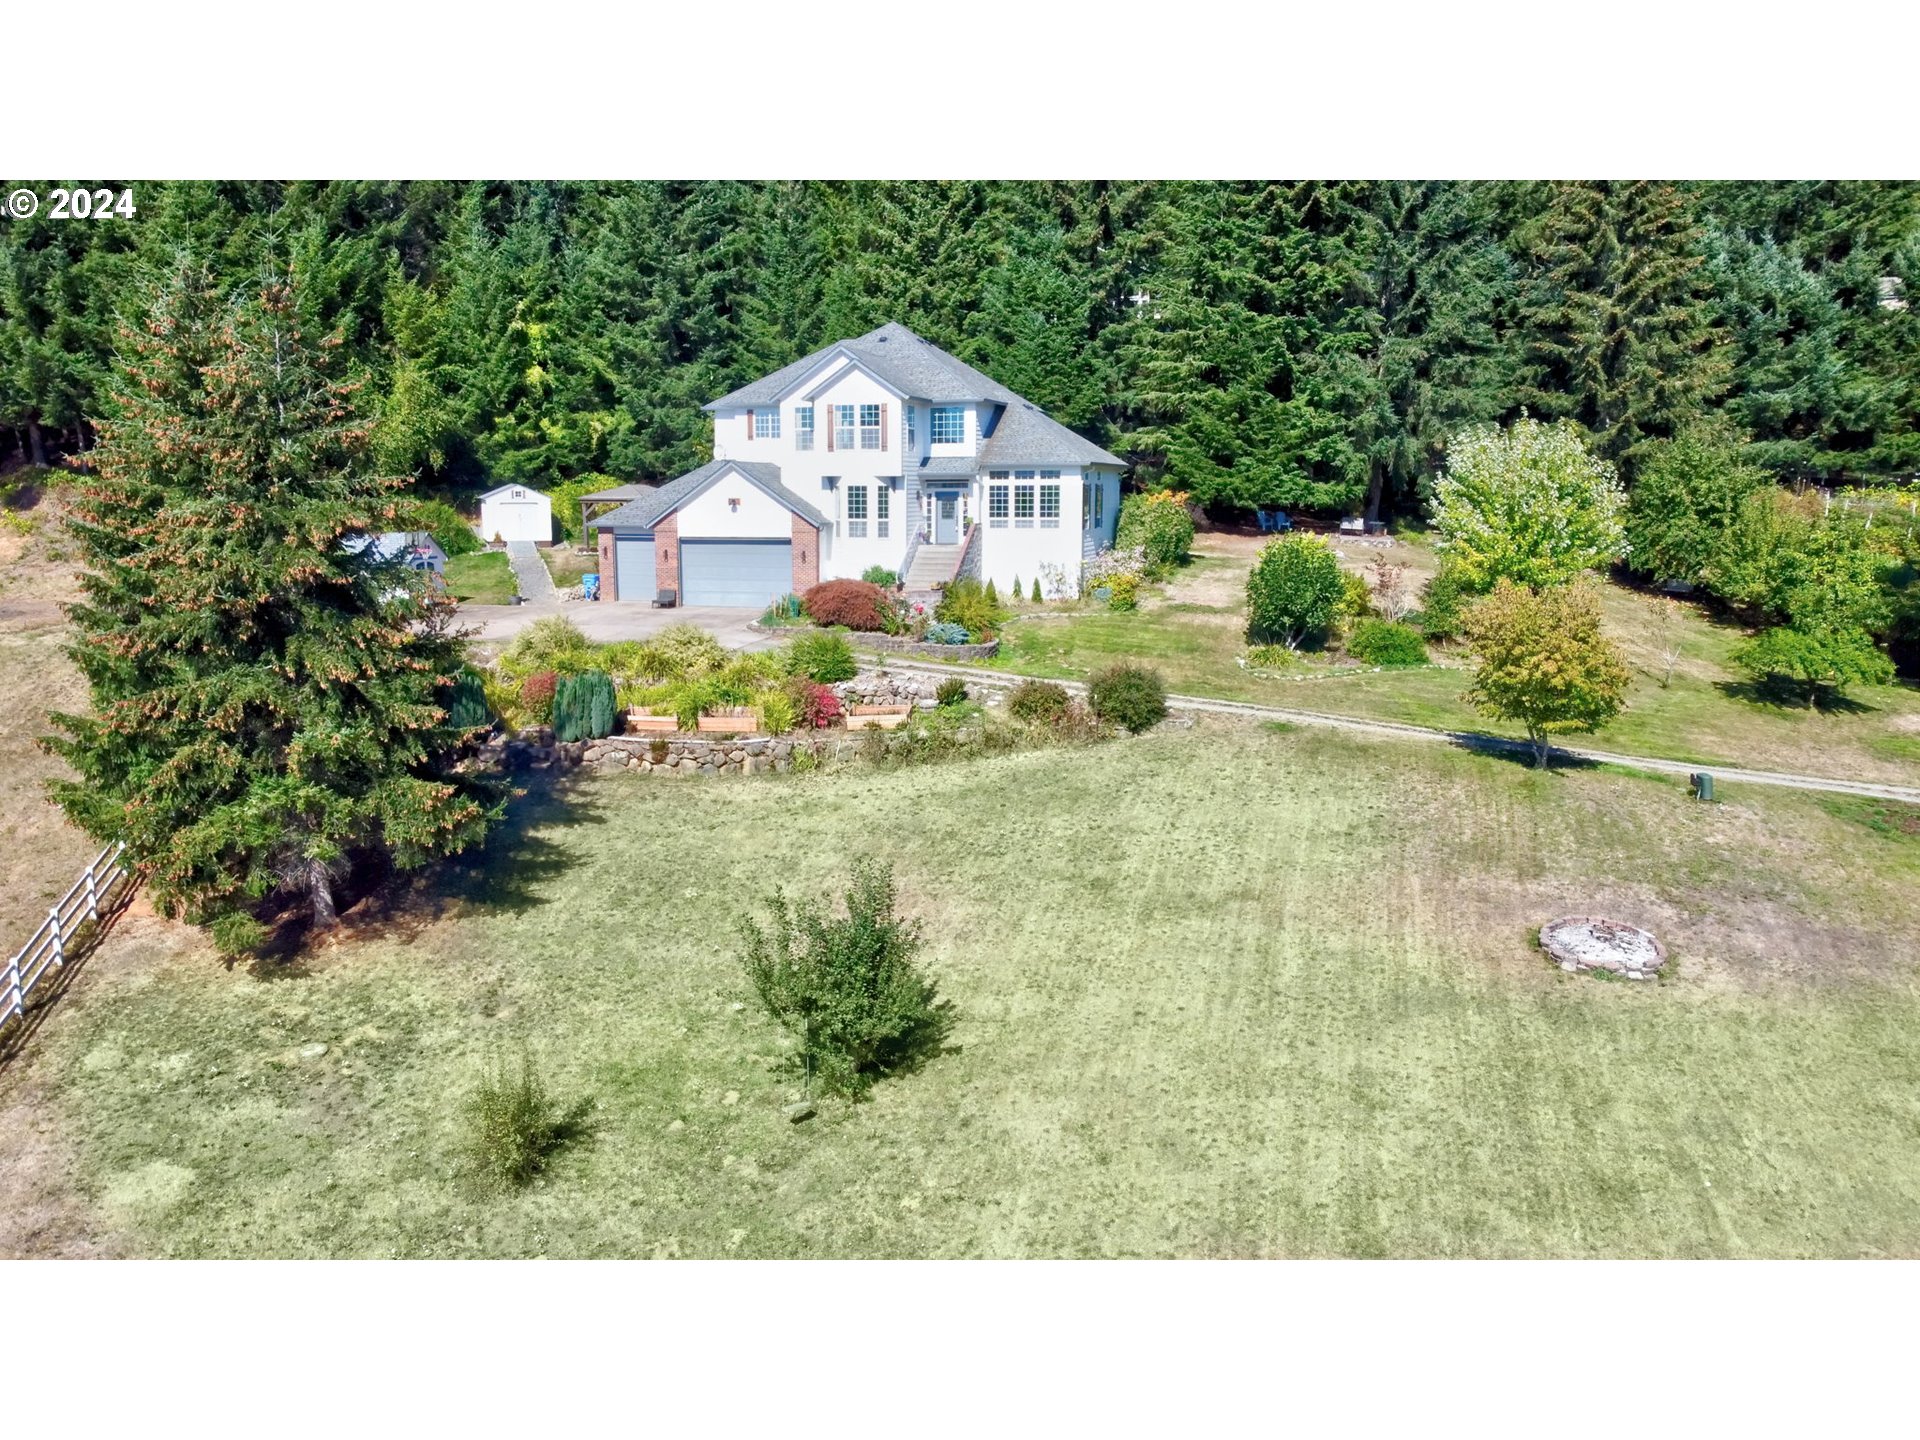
1816,657
1688,495
1294,591
1528,504
1543,662
267,705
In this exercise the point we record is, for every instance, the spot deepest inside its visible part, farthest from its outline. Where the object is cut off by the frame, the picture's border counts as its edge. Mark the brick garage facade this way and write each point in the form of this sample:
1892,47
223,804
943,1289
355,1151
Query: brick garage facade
806,555
666,556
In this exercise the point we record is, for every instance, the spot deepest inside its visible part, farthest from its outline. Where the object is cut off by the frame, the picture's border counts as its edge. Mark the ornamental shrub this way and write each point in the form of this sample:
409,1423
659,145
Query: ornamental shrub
550,643
777,710
975,609
946,632
513,1127
1442,614
1294,591
856,604
881,576
687,650
466,701
1037,700
536,696
1123,592
1130,696
952,691
1160,525
816,704
825,657
1384,642
846,987
1356,596
1035,597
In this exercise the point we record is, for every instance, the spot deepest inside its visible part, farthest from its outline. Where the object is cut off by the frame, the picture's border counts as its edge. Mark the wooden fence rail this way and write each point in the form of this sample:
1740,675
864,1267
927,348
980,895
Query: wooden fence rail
101,886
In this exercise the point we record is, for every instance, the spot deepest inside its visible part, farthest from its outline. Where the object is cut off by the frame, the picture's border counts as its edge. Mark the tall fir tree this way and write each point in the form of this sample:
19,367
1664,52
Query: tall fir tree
267,702
1616,330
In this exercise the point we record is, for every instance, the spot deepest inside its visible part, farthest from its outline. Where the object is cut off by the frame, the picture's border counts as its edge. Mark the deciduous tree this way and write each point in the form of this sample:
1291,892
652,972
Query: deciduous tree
1543,662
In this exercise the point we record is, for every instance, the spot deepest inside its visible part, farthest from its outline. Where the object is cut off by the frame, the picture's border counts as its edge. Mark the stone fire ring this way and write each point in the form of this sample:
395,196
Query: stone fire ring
1588,942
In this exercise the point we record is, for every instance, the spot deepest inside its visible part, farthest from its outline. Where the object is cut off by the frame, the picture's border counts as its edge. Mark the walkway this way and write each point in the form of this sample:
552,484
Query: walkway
532,575
1466,739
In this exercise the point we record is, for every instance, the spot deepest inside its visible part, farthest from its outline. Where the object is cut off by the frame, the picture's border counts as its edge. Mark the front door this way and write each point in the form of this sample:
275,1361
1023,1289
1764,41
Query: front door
946,519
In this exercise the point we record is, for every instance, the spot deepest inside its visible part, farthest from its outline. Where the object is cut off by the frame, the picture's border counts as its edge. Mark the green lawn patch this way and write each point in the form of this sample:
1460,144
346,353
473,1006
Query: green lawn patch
483,578
1219,992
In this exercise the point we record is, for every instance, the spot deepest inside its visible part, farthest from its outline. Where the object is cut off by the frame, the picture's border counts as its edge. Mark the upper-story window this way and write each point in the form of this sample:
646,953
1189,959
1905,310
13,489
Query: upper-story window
803,427
766,424
910,427
857,512
870,427
949,425
997,505
843,427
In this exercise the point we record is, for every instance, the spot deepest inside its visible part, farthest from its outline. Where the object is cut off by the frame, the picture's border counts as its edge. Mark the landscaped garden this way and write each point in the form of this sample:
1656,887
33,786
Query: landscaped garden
1225,992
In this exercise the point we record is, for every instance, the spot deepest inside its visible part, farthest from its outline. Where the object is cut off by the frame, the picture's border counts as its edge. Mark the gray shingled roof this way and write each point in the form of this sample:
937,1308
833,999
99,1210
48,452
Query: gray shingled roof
661,501
620,492
917,368
1027,435
946,467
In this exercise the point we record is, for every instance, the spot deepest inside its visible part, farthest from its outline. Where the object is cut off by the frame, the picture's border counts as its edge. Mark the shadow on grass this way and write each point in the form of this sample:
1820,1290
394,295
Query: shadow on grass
511,873
1777,693
16,1031
1519,752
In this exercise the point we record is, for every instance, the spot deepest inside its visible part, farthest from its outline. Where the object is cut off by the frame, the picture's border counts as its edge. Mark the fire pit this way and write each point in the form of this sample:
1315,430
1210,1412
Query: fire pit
1587,942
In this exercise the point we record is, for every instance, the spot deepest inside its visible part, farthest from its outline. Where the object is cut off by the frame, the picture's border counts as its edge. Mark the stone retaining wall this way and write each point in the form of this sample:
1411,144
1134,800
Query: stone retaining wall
894,644
690,755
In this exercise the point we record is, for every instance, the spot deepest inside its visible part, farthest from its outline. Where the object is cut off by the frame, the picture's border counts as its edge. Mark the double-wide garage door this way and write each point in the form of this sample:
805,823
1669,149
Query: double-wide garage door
734,572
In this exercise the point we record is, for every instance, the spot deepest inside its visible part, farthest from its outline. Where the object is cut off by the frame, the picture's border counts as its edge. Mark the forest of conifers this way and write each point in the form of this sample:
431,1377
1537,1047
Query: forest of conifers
1303,344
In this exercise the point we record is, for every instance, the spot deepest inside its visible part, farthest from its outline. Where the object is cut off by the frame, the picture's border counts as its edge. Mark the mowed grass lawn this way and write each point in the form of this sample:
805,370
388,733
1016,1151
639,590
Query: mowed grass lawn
482,578
1233,992
1193,631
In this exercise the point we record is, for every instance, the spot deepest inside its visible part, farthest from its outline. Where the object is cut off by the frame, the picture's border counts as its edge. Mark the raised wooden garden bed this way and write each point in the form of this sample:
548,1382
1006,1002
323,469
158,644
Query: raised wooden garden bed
645,722
878,717
729,722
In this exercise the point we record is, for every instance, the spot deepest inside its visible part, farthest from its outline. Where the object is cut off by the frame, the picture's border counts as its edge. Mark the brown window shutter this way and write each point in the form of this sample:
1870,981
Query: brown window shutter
883,424
832,420
749,424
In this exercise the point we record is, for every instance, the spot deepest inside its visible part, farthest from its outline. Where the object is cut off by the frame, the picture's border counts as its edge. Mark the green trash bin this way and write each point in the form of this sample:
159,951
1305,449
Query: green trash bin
1701,784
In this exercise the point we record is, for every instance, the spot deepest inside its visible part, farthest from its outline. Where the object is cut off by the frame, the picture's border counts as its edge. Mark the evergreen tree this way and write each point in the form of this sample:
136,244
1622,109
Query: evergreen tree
1033,330
1616,329
267,704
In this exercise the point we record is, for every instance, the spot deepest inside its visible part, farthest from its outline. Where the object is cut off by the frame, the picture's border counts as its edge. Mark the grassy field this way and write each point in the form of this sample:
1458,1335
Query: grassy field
567,565
1193,631
1239,991
482,578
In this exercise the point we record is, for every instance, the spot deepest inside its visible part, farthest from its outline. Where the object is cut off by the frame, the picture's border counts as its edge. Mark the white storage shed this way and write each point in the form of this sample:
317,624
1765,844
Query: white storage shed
516,512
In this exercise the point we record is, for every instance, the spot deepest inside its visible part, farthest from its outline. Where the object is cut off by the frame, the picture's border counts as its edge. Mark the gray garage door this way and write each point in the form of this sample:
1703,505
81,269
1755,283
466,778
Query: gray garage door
735,572
633,567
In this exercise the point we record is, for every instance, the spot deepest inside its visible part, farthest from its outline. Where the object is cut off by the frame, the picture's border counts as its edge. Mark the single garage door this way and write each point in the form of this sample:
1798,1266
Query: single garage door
748,573
633,568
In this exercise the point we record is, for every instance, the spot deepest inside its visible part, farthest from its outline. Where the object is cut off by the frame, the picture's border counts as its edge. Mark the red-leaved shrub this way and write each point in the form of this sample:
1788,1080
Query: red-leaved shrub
819,706
852,603
536,693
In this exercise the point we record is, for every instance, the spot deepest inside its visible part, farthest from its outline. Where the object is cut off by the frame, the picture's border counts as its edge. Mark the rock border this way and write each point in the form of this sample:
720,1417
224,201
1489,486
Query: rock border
1575,963
893,644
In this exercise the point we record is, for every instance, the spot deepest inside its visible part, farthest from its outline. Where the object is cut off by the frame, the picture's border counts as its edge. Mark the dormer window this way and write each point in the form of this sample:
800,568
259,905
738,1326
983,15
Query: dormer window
949,425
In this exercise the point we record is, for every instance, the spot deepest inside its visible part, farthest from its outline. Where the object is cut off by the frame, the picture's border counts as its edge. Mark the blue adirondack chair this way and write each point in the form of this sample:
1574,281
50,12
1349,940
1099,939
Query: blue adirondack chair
1274,520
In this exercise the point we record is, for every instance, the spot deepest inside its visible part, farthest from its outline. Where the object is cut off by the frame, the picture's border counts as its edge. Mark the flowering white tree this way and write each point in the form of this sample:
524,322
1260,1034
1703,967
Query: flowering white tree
1527,504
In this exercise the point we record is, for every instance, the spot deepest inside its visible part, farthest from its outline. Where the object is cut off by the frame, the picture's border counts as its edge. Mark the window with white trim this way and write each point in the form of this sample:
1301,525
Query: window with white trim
869,427
856,512
1099,502
1086,504
843,427
766,424
997,505
803,427
910,427
949,425
1023,500
882,508
1049,504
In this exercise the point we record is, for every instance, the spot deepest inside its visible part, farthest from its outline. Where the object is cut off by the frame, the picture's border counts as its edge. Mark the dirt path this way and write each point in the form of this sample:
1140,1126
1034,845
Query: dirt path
1471,740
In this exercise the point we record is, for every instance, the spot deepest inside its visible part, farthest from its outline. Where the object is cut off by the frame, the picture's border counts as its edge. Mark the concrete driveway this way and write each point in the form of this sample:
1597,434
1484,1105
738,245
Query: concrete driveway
610,620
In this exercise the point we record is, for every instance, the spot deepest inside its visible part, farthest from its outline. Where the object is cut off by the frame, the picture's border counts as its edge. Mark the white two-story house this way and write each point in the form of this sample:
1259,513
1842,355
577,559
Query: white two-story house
883,450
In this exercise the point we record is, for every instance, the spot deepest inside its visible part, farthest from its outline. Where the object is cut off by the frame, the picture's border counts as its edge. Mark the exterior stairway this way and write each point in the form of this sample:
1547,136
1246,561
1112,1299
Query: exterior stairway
932,565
